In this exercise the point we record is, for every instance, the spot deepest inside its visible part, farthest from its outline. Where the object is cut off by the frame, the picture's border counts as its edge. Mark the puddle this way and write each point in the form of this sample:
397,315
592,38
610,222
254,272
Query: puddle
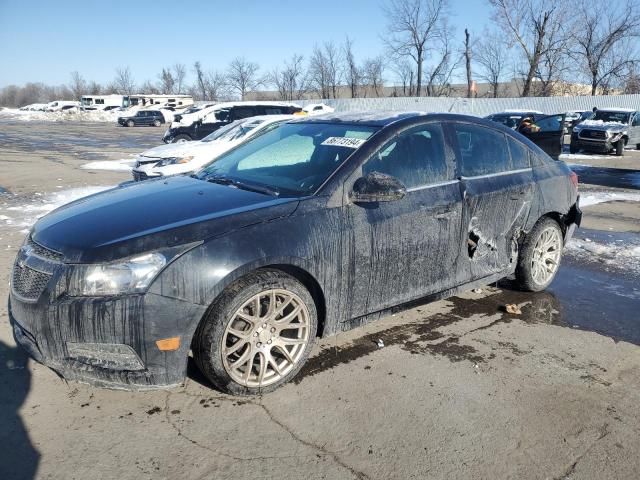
608,177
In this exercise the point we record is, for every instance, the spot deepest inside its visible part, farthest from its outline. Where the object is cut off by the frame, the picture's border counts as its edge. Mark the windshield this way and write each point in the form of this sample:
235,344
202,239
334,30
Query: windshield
293,158
233,131
620,117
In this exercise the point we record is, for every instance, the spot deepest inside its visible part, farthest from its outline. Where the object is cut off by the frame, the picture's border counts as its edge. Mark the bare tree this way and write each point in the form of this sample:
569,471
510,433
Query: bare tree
373,70
446,61
179,75
553,63
166,83
528,23
412,25
491,55
123,82
467,58
149,88
291,81
352,72
216,86
200,80
324,73
601,36
242,76
94,88
405,73
78,85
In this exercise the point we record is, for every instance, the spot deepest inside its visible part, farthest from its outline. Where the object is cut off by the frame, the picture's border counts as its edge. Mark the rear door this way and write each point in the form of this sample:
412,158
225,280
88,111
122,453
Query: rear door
550,137
497,188
634,131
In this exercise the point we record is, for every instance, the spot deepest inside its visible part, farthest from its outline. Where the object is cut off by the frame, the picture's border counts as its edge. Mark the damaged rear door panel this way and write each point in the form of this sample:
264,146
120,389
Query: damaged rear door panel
497,188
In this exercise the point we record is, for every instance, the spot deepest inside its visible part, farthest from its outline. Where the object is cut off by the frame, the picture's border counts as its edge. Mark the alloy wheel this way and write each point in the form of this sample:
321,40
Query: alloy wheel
546,255
266,338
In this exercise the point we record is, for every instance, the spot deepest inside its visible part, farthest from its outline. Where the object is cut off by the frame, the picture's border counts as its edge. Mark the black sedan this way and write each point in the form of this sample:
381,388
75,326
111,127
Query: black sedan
143,117
314,227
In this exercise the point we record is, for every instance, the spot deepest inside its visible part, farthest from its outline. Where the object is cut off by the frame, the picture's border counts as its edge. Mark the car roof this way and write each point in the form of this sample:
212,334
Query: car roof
370,118
621,110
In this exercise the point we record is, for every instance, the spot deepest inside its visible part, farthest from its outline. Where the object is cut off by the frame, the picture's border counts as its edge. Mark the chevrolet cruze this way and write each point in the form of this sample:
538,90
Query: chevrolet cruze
314,227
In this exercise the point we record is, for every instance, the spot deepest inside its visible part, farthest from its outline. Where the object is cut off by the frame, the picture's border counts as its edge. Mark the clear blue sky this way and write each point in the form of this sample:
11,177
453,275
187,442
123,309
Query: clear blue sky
45,40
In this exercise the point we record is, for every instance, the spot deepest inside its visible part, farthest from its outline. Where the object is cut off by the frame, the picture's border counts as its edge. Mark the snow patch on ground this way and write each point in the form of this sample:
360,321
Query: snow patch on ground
593,198
88,116
122,165
24,215
618,254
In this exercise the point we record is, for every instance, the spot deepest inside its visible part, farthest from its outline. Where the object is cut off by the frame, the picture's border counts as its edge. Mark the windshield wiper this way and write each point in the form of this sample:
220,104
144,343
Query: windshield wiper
243,185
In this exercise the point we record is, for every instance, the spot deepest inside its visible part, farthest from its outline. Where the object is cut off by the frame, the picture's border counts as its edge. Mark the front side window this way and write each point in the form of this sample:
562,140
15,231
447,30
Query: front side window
273,111
294,158
483,150
416,157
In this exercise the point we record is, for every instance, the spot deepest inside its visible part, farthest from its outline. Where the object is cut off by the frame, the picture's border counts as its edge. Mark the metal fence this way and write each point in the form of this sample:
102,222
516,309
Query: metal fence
481,106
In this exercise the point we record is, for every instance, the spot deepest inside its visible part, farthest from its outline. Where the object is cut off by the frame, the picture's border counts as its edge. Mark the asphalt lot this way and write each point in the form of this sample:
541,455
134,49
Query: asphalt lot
461,389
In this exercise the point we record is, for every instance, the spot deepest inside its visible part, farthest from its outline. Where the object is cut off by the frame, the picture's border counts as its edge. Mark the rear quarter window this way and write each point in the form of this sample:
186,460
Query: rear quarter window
519,154
483,151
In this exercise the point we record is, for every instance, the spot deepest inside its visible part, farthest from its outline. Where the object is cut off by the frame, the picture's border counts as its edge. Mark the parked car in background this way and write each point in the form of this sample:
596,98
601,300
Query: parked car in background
35,107
609,130
548,133
59,104
196,128
318,109
185,157
143,117
512,118
315,227
574,118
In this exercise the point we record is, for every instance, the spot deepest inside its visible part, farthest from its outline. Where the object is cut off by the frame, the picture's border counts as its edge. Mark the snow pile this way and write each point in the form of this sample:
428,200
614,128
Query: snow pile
600,123
66,116
123,165
24,215
619,253
594,198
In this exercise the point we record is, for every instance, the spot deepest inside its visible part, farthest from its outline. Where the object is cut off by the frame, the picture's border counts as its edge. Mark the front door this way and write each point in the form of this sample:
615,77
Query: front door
497,185
405,249
550,134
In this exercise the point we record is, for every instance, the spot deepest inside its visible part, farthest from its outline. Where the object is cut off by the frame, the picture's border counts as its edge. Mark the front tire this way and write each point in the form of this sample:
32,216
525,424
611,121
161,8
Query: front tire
257,335
130,123
540,256
156,123
572,148
181,138
620,148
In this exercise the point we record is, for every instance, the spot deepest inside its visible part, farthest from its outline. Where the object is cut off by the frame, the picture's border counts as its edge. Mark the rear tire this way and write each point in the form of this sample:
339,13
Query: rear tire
239,343
540,256
131,123
637,146
620,148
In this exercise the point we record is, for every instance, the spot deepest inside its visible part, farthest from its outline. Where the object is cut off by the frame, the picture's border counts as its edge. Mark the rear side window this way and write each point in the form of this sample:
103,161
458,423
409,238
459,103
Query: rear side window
483,151
519,154
416,157
243,112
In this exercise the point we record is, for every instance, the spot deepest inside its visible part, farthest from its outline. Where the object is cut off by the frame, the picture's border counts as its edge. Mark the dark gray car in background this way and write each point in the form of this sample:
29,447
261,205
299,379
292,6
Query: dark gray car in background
315,227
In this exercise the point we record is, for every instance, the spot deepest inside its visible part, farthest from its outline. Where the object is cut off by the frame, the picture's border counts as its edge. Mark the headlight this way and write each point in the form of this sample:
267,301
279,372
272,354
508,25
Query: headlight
173,161
131,276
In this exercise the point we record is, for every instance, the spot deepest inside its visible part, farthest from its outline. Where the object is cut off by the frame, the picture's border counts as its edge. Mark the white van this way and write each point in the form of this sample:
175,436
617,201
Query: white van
57,105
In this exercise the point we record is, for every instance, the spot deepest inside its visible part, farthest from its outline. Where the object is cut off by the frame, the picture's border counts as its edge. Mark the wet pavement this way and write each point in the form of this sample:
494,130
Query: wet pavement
608,177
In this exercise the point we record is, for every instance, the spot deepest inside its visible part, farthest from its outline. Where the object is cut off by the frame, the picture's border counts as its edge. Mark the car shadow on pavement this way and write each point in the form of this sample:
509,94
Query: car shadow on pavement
18,457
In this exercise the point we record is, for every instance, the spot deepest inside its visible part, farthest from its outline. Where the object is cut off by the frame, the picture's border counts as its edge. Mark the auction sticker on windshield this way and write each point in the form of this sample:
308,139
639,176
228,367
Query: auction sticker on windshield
344,142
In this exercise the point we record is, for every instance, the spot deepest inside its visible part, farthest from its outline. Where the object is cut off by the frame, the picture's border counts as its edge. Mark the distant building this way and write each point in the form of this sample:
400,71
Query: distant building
510,89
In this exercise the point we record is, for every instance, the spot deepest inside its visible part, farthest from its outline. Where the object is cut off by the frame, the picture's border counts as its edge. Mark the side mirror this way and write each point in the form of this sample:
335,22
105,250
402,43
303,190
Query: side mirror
377,187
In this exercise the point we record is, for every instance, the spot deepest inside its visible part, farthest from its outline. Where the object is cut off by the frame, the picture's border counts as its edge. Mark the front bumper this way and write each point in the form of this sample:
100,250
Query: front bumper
601,146
107,341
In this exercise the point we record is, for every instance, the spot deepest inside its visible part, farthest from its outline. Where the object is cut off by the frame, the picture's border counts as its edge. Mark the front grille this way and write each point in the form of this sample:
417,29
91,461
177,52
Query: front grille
44,252
596,134
28,283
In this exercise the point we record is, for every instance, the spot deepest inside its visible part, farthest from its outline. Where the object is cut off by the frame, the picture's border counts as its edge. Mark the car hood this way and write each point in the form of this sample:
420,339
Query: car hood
174,150
136,218
606,126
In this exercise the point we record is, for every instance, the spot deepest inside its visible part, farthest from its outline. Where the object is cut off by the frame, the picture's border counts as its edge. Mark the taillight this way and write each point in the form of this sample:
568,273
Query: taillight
573,176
